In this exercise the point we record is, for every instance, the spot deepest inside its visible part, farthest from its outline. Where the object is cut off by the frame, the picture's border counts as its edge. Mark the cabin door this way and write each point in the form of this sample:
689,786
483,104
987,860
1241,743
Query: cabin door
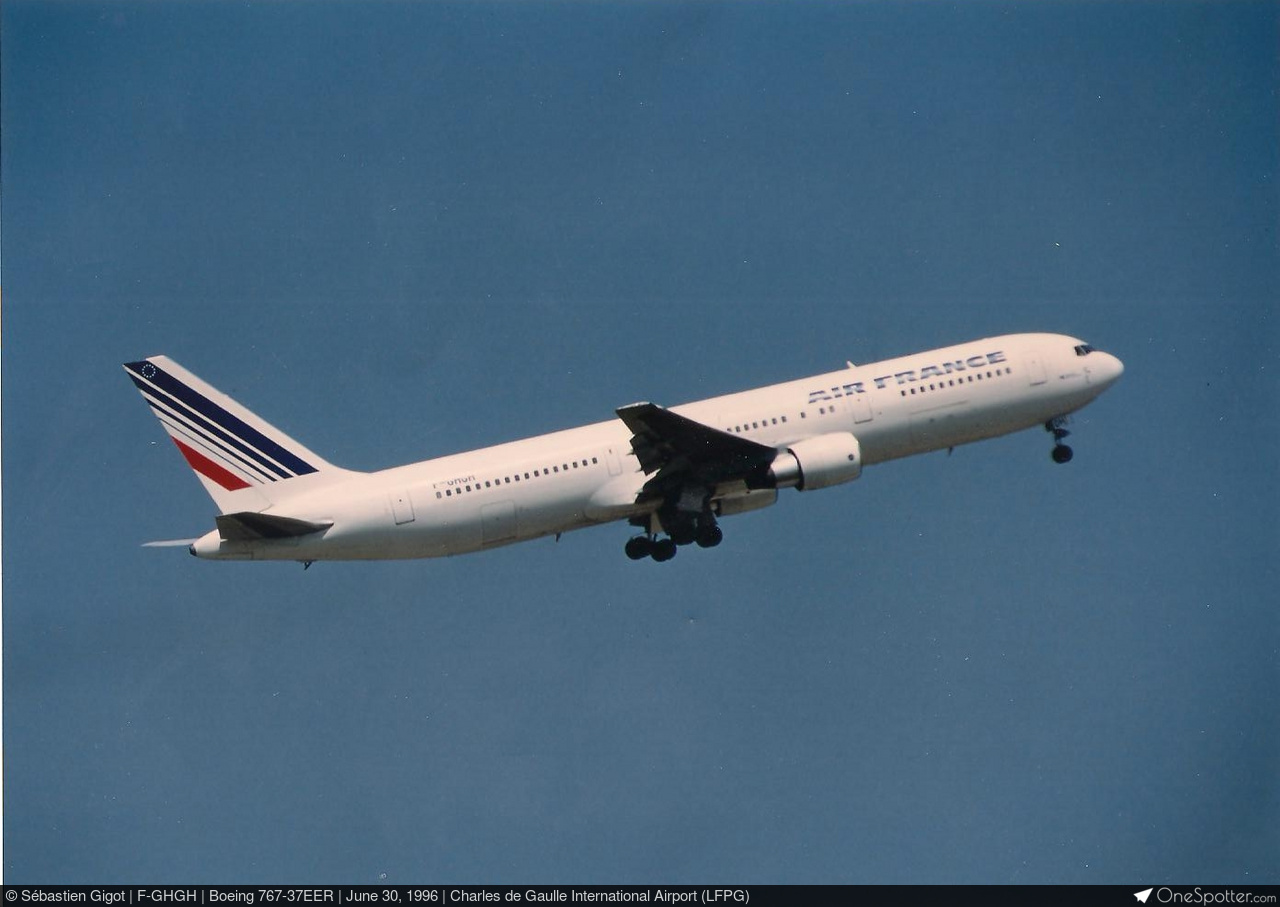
613,461
401,507
1035,370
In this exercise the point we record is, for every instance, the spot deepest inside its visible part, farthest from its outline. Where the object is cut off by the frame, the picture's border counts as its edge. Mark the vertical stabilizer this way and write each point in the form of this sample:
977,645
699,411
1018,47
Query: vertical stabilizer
244,462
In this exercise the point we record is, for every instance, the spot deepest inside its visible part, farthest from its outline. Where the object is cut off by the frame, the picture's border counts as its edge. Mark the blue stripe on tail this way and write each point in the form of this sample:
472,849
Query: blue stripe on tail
233,428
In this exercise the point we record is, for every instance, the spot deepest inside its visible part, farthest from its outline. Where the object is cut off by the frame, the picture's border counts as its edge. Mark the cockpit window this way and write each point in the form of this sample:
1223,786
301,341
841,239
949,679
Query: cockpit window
1084,349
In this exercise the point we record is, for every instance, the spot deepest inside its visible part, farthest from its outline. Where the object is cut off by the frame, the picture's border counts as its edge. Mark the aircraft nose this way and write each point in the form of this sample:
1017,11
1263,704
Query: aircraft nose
1115,367
1111,370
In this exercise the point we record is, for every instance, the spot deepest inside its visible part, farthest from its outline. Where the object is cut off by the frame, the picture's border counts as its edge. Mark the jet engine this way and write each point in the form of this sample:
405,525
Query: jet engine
817,463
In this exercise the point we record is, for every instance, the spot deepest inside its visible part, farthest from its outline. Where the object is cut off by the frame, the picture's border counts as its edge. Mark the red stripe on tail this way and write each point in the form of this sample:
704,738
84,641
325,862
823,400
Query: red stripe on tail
211,470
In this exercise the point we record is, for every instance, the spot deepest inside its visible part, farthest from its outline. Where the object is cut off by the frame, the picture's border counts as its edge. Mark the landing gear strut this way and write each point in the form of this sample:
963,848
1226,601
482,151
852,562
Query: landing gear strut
1061,452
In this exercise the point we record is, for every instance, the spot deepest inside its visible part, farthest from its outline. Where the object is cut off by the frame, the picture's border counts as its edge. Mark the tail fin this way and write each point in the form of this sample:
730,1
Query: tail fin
244,463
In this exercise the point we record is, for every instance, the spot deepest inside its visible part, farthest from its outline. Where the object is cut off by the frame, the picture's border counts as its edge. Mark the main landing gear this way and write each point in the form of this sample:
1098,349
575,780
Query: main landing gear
1061,452
704,533
642,546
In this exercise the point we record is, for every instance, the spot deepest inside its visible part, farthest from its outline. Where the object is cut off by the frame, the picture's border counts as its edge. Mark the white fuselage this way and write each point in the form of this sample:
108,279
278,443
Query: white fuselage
586,476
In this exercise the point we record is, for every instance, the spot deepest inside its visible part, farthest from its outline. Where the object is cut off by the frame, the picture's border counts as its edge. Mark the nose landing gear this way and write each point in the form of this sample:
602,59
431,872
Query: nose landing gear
1061,452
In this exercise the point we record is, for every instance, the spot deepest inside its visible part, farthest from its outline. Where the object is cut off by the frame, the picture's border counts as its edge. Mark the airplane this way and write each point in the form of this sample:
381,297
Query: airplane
670,473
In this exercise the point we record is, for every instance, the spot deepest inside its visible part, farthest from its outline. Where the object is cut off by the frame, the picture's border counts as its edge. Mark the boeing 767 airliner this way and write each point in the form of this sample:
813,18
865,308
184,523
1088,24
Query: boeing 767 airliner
671,473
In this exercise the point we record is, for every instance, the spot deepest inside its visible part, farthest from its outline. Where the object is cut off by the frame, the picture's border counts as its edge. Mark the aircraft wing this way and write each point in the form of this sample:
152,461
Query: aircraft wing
678,448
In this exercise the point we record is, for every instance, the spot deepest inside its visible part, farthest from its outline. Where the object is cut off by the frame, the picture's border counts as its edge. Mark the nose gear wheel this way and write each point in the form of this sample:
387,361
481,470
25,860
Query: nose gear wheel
1061,452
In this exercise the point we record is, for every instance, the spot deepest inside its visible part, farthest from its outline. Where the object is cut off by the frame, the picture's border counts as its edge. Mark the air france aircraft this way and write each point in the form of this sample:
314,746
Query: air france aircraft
671,473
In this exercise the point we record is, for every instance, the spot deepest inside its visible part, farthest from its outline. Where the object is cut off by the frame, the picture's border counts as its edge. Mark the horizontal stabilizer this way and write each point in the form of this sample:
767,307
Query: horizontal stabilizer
170,543
249,526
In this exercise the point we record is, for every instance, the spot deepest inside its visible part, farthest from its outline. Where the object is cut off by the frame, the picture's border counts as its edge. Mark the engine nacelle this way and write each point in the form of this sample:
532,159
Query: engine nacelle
817,462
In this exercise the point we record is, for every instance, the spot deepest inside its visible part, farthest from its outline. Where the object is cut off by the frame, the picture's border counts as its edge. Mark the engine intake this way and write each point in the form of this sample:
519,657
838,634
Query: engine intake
819,462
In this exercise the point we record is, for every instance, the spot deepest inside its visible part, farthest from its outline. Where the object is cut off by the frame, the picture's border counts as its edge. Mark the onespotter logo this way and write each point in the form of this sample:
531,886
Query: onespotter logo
1201,896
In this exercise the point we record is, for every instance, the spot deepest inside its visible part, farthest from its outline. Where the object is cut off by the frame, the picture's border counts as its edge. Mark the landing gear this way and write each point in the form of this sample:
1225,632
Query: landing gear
641,546
684,534
664,550
686,519
709,535
703,531
1061,452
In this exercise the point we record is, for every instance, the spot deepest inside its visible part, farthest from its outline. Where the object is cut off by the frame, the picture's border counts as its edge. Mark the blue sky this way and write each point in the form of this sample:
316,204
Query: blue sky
401,230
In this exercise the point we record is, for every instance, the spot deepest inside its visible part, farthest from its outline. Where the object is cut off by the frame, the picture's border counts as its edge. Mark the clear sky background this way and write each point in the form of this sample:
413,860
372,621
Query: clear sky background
402,230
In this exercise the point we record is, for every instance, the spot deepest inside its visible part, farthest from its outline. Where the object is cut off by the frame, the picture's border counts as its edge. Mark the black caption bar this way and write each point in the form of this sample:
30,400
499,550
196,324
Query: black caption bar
722,895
